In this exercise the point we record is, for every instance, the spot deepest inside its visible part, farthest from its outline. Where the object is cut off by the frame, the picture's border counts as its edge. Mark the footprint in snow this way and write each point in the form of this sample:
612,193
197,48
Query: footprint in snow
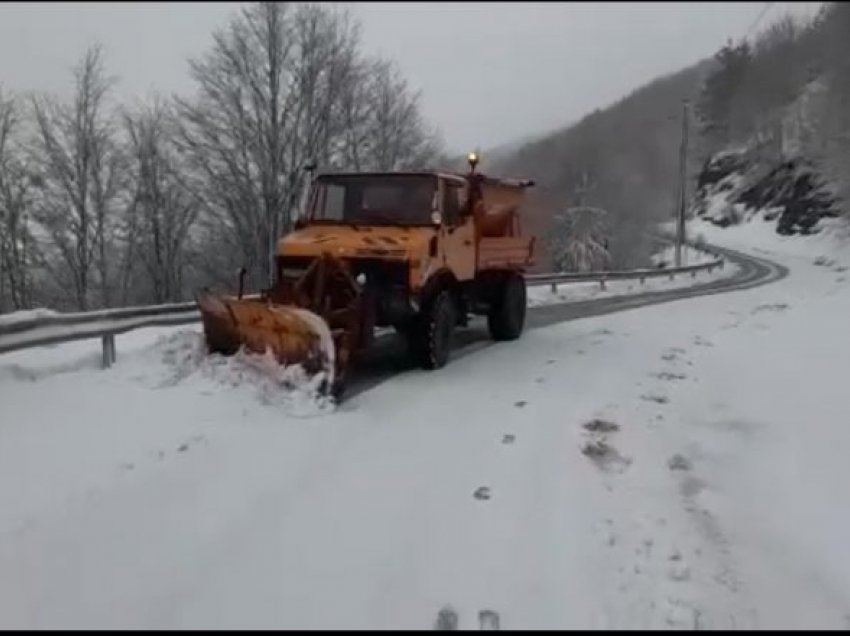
488,620
658,399
679,462
519,404
679,572
446,619
482,493
605,456
673,353
667,376
601,426
774,307
508,439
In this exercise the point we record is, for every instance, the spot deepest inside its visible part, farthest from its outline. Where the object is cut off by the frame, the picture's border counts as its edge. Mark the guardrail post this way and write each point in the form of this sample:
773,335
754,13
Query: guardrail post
554,287
643,280
602,283
108,341
694,274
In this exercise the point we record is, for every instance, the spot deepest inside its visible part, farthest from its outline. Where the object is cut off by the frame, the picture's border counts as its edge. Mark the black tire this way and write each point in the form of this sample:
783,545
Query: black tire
506,318
432,333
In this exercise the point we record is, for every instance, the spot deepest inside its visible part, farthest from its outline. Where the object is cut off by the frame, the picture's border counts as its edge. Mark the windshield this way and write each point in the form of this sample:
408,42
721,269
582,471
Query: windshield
375,200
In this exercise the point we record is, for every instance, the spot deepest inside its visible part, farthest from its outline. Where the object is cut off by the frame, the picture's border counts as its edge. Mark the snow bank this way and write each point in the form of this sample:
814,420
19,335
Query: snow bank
185,360
16,317
831,243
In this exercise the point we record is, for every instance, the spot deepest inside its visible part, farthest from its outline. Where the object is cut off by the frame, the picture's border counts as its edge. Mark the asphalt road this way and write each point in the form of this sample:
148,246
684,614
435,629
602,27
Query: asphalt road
388,358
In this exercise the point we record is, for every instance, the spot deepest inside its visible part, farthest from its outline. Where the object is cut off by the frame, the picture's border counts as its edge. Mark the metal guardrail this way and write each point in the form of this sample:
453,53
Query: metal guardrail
554,279
105,324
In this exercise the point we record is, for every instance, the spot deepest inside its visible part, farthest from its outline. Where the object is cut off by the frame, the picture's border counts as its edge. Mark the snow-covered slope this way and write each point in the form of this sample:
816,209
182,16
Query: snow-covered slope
682,465
739,185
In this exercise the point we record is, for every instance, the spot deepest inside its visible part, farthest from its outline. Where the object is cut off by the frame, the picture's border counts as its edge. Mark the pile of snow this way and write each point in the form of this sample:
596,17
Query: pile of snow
185,360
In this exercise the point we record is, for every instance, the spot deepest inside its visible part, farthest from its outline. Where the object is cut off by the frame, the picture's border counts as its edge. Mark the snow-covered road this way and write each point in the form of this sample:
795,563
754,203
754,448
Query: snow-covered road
680,465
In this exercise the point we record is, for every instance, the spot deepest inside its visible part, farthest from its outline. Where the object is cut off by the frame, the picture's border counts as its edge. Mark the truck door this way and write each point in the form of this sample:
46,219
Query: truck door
457,235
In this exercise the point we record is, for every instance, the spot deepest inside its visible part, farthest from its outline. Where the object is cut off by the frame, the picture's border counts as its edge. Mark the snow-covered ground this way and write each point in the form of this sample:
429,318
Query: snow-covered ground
681,465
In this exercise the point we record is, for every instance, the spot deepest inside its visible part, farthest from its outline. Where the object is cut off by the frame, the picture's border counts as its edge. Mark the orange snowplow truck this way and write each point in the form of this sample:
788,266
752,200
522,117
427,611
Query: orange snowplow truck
417,251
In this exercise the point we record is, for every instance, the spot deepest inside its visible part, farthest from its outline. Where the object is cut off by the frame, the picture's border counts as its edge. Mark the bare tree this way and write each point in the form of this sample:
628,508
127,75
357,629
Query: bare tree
384,129
266,100
162,208
80,171
16,240
283,86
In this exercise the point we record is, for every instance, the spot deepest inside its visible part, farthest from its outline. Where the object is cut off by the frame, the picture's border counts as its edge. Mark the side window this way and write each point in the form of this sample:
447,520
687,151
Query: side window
331,203
452,194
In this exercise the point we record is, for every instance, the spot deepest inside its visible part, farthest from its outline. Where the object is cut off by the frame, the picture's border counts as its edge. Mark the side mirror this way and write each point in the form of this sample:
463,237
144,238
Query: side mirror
242,273
436,219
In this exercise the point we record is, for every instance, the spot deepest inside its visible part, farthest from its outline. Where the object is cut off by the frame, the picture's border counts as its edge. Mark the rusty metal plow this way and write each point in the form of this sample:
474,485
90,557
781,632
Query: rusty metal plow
313,321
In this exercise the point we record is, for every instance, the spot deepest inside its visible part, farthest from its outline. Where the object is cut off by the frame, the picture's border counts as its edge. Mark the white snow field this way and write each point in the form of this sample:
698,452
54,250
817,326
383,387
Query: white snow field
177,491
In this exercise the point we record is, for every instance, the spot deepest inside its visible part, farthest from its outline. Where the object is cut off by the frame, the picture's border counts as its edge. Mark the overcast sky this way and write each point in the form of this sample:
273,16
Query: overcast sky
489,72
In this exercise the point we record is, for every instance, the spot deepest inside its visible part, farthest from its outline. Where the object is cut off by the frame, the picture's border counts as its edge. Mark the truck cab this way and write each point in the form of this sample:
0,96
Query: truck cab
427,250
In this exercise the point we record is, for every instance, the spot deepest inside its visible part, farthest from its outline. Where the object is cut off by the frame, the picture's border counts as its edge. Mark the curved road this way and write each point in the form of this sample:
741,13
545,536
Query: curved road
388,357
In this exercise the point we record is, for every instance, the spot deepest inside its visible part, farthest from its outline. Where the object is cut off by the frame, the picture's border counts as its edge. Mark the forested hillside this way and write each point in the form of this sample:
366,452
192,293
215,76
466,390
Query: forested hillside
780,104
774,126
622,159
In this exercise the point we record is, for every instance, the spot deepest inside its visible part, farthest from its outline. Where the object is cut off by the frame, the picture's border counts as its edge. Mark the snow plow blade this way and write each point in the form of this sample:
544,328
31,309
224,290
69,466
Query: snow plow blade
312,321
293,335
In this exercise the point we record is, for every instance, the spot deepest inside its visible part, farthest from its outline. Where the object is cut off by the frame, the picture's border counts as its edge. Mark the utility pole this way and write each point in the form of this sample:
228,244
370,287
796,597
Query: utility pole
585,185
683,176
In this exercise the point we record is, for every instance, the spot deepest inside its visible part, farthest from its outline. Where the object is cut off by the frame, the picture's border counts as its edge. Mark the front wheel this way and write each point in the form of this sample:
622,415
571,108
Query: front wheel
506,318
432,335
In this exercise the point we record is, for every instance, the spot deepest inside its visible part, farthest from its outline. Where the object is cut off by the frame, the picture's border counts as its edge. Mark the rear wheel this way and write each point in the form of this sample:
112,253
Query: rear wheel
506,318
432,334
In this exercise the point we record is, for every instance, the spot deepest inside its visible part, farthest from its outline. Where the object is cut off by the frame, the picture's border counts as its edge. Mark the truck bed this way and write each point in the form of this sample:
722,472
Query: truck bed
505,252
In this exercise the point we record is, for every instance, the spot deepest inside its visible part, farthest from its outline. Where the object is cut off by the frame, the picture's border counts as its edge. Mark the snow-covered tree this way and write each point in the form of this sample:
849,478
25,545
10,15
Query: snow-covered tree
580,239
